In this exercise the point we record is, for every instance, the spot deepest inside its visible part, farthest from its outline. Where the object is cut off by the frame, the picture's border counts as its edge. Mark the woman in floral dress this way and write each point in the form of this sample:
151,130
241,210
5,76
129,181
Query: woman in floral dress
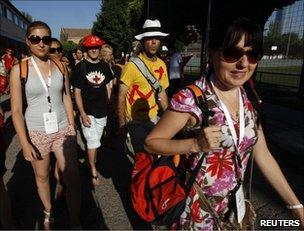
233,134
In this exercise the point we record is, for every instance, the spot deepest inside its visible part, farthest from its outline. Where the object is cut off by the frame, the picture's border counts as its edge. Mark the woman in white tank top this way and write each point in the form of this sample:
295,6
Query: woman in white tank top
48,125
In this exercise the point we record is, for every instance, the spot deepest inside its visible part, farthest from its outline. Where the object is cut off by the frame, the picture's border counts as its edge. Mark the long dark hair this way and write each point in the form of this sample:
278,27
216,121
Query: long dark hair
229,35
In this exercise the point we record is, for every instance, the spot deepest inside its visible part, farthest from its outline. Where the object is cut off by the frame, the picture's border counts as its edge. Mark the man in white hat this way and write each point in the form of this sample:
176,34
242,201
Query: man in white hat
139,101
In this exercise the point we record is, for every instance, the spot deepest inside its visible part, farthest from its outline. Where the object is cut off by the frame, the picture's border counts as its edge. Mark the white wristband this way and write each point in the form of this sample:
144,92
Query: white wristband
297,206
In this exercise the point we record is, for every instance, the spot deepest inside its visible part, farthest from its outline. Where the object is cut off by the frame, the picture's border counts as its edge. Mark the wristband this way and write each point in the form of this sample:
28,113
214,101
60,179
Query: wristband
297,206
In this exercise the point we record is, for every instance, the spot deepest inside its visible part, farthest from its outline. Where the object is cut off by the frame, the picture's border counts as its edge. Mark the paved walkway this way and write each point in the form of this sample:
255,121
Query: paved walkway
108,207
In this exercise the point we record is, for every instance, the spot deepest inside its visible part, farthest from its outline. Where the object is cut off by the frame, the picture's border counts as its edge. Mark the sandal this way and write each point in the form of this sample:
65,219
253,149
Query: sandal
48,218
95,178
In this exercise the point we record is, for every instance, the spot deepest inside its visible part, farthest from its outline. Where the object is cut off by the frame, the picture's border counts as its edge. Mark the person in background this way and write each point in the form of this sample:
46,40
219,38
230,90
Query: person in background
91,80
56,52
106,54
176,74
48,123
233,135
6,221
78,55
8,59
138,104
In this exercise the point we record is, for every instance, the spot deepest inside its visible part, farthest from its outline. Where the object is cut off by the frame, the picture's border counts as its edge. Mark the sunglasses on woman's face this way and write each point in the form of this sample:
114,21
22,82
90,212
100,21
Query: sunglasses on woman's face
35,39
233,54
53,50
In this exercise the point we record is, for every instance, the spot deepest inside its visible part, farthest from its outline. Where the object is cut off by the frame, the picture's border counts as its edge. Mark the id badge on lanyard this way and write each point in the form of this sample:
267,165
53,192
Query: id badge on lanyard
239,195
240,203
50,122
49,118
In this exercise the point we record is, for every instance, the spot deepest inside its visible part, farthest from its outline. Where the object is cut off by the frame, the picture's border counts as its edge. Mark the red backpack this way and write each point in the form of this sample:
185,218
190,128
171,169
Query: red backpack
159,188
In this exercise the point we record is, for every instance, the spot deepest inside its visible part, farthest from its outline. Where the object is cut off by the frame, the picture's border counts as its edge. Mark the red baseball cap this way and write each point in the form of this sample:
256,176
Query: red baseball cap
92,41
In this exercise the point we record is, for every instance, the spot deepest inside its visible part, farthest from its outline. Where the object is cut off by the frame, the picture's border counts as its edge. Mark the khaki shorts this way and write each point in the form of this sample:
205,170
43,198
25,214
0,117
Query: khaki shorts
93,133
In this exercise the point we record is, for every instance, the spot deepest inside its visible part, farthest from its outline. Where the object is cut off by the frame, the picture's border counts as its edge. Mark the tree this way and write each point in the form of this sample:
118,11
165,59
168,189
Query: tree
118,22
68,46
27,16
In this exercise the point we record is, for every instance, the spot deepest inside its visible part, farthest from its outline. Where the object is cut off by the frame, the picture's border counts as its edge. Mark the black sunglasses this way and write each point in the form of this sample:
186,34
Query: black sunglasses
58,49
233,54
35,39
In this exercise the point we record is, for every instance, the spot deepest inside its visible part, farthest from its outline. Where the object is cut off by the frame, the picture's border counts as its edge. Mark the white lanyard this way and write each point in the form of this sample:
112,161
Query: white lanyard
230,122
45,86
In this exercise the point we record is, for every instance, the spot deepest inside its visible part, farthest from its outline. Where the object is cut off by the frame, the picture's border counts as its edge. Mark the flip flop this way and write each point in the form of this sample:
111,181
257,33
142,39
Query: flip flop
95,179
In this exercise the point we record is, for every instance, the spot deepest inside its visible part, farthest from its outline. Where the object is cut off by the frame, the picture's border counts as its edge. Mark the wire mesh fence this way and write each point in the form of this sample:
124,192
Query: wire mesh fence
282,62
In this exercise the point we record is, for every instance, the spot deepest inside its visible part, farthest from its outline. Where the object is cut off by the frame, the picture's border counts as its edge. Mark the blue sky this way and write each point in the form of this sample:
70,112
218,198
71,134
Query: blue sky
58,14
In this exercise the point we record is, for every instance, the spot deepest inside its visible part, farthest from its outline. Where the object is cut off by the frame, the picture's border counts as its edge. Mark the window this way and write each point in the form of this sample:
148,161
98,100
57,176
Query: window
1,9
9,14
16,19
20,22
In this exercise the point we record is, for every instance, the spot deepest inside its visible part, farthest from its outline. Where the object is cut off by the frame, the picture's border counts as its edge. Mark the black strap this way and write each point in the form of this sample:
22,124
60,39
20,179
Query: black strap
194,173
201,102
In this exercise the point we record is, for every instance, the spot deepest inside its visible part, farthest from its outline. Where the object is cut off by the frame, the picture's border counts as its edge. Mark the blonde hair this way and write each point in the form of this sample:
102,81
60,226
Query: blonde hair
104,51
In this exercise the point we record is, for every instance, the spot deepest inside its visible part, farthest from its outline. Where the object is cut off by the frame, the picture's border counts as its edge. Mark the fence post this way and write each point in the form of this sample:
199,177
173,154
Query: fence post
301,84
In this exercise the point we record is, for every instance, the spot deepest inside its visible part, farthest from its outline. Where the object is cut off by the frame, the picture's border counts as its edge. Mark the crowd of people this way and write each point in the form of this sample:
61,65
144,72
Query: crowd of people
150,111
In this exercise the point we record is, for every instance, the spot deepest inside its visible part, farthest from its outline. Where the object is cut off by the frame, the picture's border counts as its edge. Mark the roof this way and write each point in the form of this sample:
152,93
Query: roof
75,32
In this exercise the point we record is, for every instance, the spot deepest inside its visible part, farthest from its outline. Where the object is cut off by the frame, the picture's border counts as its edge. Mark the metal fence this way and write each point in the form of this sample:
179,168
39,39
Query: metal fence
283,47
282,62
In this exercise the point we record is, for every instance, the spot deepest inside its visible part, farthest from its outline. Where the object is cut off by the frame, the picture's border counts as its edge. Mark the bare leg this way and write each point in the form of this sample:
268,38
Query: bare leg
5,207
41,170
58,176
68,164
92,154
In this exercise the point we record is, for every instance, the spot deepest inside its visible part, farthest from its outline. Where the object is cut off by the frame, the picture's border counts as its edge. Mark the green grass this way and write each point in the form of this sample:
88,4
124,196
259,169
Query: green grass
275,77
287,69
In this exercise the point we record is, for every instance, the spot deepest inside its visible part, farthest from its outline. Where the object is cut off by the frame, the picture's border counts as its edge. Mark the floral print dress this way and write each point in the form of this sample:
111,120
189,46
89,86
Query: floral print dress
217,176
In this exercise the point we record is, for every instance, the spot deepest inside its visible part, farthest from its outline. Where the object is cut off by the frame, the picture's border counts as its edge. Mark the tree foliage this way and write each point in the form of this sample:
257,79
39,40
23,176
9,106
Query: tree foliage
27,16
288,44
118,22
68,46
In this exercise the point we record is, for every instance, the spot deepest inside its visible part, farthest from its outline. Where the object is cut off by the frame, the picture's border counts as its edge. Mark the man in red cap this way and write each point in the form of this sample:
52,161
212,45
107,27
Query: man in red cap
91,79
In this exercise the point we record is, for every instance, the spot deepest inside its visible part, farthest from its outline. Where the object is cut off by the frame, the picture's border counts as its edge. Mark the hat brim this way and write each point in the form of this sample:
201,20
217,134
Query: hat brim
151,34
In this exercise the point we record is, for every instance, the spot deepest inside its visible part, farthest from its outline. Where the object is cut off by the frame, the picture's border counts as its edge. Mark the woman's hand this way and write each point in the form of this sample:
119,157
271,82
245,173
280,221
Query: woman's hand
209,138
30,153
86,120
299,214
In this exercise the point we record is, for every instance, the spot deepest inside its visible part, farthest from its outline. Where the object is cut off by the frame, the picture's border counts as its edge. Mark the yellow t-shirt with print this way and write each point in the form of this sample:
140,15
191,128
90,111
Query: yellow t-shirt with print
140,100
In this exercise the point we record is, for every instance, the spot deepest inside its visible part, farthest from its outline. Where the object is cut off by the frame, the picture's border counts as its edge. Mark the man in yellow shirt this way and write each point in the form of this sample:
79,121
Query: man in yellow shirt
138,101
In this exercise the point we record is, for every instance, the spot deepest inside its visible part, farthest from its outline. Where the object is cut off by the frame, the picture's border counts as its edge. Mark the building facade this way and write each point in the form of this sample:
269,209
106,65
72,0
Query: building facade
13,27
73,34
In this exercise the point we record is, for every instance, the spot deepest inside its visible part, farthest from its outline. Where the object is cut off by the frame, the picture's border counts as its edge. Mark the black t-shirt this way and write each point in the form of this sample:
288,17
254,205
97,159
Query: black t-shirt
92,78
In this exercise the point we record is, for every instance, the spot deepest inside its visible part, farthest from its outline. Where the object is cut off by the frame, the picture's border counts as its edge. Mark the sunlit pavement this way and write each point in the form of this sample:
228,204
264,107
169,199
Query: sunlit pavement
108,205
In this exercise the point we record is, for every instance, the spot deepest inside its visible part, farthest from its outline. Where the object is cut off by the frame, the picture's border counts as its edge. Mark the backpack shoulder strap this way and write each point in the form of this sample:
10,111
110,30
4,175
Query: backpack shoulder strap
23,66
201,102
60,65
147,74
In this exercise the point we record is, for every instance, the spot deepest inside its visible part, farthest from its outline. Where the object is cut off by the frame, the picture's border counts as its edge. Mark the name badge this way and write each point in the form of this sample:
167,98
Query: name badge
50,122
240,204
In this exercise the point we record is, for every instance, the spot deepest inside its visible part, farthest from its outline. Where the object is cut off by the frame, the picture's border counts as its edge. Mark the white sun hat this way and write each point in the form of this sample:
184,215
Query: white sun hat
151,28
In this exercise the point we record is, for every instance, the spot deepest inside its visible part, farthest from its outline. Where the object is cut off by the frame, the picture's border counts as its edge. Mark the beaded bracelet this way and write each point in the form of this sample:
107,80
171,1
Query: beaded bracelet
297,206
